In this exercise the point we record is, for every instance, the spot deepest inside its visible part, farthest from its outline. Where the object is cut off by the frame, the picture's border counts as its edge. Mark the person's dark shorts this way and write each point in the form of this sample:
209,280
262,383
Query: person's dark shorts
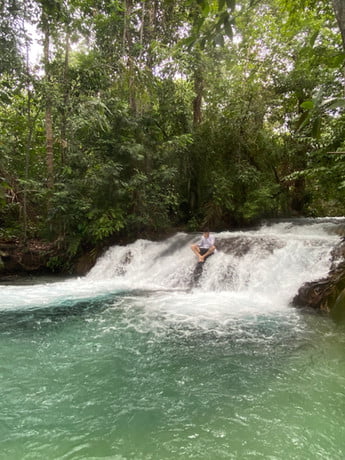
203,251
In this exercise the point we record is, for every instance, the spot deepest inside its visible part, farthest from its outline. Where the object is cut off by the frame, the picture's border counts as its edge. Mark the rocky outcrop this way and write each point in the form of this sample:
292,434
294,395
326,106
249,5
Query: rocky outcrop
37,257
86,261
241,245
327,294
17,258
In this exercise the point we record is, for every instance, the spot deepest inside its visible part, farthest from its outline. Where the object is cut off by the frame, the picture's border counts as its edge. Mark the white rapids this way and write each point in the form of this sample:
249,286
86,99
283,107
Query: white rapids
263,277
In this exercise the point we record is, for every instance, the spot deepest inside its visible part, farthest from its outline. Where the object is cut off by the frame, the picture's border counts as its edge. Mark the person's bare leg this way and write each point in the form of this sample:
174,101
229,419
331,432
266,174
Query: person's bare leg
208,253
195,248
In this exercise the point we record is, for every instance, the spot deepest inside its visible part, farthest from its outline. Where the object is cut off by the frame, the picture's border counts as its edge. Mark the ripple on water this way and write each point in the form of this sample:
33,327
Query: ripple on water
153,376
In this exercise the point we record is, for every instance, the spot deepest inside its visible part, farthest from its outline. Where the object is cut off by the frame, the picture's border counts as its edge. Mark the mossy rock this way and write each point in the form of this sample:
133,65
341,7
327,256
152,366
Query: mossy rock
338,309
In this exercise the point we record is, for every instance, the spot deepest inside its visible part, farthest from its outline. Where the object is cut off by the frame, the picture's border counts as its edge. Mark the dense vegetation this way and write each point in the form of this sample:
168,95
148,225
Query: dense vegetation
145,115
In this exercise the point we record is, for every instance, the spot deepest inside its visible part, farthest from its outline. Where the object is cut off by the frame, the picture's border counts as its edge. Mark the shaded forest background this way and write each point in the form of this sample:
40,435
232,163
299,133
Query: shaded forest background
143,116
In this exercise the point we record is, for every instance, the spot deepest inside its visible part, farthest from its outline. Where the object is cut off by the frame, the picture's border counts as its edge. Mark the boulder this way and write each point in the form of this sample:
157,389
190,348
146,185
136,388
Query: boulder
338,309
327,294
86,261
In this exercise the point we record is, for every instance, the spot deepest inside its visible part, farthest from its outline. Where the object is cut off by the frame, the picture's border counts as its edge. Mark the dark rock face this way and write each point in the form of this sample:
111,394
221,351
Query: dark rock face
326,293
241,245
17,258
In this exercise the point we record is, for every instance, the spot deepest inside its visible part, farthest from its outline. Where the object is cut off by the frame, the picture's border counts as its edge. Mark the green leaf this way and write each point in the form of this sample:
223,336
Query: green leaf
313,38
205,6
231,4
303,120
221,4
308,105
336,61
189,42
333,103
316,129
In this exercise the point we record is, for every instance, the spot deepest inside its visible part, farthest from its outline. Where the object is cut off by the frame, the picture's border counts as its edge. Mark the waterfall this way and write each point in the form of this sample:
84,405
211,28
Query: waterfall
266,265
134,360
273,260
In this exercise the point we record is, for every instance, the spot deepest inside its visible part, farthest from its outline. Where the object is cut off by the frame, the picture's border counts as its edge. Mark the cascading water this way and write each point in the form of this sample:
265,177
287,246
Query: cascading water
271,259
135,361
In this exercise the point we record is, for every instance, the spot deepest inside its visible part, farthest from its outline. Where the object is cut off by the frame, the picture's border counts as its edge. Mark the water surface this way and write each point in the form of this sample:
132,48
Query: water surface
130,363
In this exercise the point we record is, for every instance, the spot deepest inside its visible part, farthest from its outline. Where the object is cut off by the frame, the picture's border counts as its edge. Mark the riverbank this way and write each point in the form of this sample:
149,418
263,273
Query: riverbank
327,294
21,259
24,259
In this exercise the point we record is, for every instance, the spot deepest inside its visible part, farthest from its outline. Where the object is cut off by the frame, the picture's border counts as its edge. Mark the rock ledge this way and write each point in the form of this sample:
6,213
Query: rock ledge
327,294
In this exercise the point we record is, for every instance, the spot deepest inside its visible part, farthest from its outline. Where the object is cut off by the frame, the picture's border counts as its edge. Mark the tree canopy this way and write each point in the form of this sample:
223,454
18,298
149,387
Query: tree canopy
152,114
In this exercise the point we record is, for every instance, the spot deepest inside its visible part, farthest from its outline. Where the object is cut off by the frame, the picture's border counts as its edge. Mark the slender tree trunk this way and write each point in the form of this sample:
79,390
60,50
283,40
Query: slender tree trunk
48,111
151,29
197,102
141,35
27,161
28,139
127,47
125,24
132,88
64,142
339,8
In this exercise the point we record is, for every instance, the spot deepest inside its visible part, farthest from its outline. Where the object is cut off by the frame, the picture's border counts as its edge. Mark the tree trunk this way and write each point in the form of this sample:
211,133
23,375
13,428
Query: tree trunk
151,29
127,48
64,142
48,111
339,8
141,34
197,102
27,163
28,139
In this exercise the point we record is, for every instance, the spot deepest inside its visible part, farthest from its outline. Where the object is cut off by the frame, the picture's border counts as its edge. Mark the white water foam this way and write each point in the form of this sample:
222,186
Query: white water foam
276,262
264,276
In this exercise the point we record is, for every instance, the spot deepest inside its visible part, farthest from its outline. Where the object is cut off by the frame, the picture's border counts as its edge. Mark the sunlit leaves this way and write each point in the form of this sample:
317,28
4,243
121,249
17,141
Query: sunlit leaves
104,223
270,86
213,22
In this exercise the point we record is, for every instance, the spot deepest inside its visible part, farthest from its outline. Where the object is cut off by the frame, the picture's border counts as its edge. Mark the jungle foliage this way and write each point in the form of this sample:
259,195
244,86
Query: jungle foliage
145,115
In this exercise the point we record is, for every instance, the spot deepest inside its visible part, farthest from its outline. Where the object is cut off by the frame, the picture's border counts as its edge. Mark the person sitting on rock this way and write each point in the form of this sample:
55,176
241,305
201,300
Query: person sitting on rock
205,247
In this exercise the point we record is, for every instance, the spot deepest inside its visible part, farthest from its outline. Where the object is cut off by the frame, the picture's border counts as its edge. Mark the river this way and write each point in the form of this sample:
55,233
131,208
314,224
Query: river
134,362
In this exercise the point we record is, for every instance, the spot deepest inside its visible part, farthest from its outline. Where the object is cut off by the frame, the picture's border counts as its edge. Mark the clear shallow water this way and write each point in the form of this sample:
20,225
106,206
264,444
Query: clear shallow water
90,369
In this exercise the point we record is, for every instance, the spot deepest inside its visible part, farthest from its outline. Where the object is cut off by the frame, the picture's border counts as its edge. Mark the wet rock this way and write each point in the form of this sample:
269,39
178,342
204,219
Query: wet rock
338,310
241,245
86,261
18,258
327,294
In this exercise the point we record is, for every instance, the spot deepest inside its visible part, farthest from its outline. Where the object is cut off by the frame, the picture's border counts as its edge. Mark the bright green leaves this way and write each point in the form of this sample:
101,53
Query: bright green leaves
213,21
154,198
129,155
205,6
308,105
102,224
208,6
316,111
